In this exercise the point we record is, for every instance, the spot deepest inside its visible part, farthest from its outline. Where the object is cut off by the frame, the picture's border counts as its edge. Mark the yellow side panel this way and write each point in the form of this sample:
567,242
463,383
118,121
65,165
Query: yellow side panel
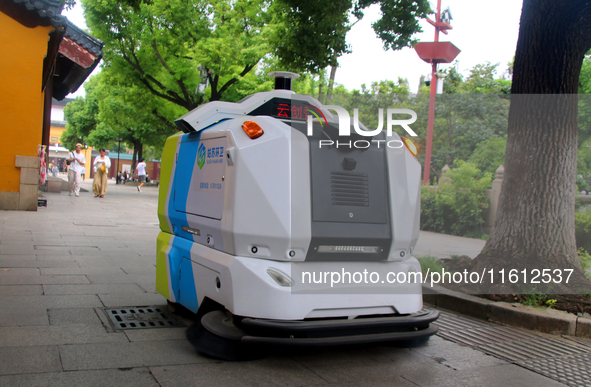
162,270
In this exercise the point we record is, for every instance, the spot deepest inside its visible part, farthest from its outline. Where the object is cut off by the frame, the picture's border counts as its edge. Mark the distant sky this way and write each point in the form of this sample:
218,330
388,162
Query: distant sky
484,31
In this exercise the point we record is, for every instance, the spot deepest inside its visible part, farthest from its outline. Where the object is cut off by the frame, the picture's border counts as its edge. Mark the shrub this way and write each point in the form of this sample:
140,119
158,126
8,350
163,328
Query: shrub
489,154
583,230
582,185
455,206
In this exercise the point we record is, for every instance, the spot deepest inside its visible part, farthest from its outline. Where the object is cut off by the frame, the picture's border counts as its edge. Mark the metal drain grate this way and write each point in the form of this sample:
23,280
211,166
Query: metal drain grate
571,370
532,349
565,362
142,318
483,336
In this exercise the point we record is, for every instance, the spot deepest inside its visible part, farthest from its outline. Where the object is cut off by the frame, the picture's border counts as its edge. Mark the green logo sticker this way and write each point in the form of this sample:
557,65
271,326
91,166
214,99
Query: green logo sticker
201,156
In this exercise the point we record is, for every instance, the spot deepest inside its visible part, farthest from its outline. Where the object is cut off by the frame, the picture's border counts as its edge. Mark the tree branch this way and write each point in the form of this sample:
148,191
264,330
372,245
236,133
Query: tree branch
178,81
164,120
247,68
147,78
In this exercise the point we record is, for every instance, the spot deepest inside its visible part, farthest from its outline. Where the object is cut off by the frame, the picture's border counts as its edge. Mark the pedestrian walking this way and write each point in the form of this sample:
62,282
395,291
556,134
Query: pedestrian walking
77,160
101,164
141,174
83,173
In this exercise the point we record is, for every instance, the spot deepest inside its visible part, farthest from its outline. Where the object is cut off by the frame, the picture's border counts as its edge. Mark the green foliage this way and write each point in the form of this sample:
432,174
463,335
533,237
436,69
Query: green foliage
455,206
584,119
585,258
583,230
113,109
430,264
582,184
81,117
399,21
311,34
551,302
471,110
489,154
537,299
184,52
379,95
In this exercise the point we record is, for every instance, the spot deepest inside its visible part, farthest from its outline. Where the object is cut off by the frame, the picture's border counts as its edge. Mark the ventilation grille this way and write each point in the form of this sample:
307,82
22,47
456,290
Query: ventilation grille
349,189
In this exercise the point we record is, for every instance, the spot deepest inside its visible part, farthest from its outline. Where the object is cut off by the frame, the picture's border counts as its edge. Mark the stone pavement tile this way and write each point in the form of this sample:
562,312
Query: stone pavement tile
24,315
16,257
50,256
57,335
21,360
102,239
21,290
147,270
70,316
396,381
46,241
33,262
77,270
122,289
110,245
156,334
32,310
350,365
16,248
5,272
9,237
81,243
135,377
150,253
458,357
148,286
76,238
137,262
118,300
120,278
147,244
49,302
43,280
131,354
69,250
99,261
271,371
122,252
499,376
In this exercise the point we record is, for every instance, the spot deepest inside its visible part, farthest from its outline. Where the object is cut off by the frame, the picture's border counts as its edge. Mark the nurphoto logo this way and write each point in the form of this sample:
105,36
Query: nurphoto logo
345,127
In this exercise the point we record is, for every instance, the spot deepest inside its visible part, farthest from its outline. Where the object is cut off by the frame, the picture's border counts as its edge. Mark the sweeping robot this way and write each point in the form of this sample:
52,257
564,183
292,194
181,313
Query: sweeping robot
285,223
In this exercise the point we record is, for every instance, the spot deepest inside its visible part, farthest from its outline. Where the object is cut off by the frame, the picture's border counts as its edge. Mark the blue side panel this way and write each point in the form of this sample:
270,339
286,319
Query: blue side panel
188,293
185,163
182,280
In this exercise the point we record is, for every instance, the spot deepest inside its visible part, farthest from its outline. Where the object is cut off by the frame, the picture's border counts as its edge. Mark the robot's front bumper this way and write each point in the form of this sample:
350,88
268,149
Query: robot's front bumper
323,332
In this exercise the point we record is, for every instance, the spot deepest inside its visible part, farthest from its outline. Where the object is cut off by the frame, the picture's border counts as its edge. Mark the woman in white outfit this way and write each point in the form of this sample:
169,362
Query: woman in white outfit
101,164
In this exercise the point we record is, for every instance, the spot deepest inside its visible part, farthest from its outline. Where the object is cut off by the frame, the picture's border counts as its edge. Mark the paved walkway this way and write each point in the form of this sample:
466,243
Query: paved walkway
446,246
60,266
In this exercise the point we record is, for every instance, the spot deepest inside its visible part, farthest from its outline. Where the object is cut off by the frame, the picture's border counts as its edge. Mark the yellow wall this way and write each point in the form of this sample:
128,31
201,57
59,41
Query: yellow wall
55,132
22,51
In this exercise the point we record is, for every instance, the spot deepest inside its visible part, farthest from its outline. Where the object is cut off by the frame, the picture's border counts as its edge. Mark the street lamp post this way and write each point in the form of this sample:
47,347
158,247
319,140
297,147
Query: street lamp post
434,53
118,152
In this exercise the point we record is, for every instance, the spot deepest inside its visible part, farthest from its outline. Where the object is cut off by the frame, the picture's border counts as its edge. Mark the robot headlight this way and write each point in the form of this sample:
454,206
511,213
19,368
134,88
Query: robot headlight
281,278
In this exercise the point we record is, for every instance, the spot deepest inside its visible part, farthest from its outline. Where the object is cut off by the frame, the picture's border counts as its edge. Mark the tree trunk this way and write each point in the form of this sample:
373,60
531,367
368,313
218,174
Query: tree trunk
333,73
534,226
